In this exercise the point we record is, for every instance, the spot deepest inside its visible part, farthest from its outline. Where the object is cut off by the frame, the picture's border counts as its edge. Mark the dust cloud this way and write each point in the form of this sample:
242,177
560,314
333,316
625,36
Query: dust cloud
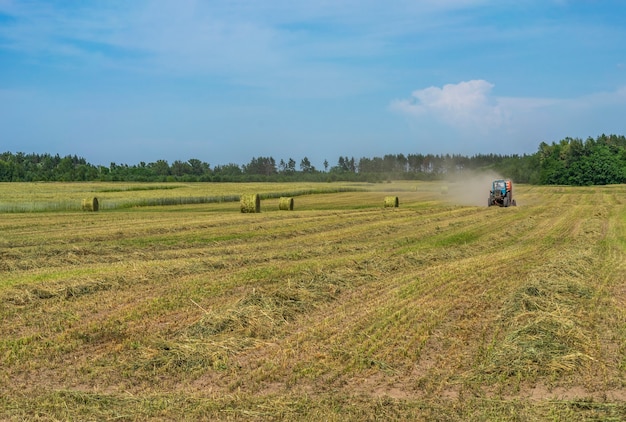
471,188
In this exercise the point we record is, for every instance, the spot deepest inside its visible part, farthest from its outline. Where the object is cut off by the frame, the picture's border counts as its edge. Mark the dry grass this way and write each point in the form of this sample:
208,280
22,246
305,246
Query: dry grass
335,311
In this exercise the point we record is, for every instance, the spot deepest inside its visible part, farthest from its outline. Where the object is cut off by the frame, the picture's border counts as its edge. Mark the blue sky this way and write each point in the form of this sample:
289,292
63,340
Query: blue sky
224,81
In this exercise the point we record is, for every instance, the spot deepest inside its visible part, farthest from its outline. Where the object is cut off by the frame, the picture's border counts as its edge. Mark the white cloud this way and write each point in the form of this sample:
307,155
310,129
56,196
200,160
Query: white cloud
468,114
471,104
463,105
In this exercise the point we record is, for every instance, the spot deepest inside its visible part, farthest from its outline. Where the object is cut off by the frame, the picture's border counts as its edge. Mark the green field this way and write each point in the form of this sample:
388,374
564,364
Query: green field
170,304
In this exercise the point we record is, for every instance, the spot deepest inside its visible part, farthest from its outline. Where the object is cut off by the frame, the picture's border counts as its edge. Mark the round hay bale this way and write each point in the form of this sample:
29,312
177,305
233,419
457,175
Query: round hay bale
250,203
392,202
90,204
285,203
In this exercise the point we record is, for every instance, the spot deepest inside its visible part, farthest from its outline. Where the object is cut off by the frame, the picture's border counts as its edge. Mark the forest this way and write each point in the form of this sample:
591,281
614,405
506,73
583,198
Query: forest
571,161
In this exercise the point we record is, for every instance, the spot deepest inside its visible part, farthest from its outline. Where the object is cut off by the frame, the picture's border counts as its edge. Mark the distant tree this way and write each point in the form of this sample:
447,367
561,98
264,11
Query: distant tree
351,165
261,166
180,168
65,170
305,166
160,168
198,167
604,167
341,164
291,166
227,170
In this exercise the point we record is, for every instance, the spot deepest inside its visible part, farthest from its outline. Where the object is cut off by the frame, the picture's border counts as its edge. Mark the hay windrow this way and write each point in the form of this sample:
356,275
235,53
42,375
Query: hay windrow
285,203
23,296
543,333
250,203
90,204
392,202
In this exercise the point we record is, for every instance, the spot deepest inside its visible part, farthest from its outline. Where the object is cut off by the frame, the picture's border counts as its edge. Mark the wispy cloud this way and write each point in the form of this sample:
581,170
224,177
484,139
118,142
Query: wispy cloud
193,36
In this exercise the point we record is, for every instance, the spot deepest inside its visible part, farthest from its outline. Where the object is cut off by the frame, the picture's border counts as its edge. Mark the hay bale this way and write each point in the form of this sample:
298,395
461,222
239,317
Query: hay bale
285,204
392,202
90,204
250,203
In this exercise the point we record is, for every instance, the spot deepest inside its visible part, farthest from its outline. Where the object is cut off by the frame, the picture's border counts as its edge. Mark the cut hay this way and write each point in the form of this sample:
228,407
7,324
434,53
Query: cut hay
544,332
392,202
285,203
250,203
90,204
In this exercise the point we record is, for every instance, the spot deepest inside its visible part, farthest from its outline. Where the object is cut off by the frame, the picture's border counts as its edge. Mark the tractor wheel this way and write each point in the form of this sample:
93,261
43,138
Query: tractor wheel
505,201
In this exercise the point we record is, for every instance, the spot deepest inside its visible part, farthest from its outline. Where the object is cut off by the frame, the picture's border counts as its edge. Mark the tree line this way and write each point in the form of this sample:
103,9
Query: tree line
570,161
599,161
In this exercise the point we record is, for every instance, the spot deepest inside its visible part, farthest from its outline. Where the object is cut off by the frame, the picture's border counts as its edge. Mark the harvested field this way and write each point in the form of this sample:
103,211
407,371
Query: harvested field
337,310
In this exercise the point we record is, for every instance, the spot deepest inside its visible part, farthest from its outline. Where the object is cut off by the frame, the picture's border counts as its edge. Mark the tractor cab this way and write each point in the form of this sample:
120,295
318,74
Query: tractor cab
499,186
